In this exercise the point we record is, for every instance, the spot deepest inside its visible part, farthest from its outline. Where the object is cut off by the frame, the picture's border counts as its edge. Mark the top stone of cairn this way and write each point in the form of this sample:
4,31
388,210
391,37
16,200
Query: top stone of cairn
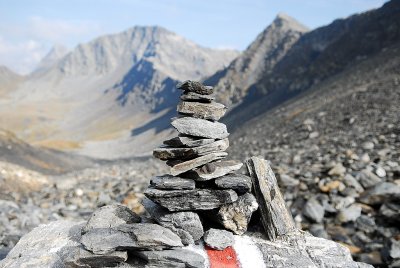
196,87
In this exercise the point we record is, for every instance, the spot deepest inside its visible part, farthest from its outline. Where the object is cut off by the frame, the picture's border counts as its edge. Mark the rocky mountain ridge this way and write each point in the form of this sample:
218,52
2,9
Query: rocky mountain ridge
233,82
108,91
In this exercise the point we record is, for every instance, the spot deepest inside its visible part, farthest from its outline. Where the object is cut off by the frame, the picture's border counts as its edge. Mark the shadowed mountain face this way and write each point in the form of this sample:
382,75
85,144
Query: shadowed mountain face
94,98
320,55
233,82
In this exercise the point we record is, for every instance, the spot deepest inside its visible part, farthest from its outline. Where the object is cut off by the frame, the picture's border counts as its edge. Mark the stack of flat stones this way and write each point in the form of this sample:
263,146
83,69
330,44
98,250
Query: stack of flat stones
202,200
202,184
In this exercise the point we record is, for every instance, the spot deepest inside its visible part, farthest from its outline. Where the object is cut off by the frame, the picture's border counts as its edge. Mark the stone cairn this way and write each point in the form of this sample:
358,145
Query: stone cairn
201,180
201,192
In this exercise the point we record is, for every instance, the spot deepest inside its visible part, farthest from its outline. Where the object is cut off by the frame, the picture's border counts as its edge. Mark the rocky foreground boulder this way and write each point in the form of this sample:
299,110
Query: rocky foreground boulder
58,245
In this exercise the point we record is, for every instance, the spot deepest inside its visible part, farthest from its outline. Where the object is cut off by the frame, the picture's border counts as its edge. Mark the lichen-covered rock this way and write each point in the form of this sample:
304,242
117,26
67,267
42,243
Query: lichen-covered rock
236,216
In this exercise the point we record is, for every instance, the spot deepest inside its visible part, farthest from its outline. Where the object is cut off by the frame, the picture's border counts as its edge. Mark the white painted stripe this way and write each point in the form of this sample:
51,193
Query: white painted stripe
199,249
248,253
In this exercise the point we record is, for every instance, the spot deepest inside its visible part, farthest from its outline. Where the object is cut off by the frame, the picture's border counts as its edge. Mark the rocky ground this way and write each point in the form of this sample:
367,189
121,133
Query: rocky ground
336,152
28,198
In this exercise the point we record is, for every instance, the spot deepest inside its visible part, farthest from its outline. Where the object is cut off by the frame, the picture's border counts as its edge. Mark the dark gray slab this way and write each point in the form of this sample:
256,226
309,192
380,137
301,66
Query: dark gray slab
168,182
276,218
197,199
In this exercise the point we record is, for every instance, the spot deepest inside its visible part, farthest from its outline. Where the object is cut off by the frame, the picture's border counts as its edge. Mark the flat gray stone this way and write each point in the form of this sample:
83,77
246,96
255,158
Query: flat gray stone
197,199
166,153
313,210
366,224
350,213
184,141
367,178
168,182
382,192
185,224
110,216
182,167
210,111
137,236
192,96
236,216
218,239
200,128
214,170
57,245
194,86
350,181
238,182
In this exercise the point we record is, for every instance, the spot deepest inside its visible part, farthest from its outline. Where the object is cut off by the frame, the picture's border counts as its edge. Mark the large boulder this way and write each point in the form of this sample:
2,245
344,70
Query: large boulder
57,245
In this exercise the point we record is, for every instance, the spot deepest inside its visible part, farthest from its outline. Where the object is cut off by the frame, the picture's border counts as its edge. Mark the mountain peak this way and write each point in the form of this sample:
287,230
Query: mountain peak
57,52
284,20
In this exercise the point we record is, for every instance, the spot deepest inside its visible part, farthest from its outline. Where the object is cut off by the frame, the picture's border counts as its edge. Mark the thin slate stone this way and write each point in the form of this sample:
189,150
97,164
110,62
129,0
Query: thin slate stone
192,96
197,199
200,128
214,170
236,216
196,87
210,111
172,258
238,182
168,182
182,167
166,153
185,141
276,218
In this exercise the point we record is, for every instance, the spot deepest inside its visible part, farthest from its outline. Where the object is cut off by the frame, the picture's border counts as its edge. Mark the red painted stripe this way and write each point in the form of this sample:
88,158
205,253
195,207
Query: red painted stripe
222,258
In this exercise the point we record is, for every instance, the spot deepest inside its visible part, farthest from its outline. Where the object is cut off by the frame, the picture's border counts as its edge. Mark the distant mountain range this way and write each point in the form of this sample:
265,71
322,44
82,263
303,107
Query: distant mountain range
106,98
113,97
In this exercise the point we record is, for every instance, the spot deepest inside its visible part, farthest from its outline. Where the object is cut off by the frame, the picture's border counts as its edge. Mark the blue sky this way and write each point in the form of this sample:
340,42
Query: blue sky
29,28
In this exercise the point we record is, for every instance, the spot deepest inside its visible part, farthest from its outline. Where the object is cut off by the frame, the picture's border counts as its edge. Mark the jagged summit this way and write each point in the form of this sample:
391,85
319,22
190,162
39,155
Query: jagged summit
57,52
262,54
284,19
